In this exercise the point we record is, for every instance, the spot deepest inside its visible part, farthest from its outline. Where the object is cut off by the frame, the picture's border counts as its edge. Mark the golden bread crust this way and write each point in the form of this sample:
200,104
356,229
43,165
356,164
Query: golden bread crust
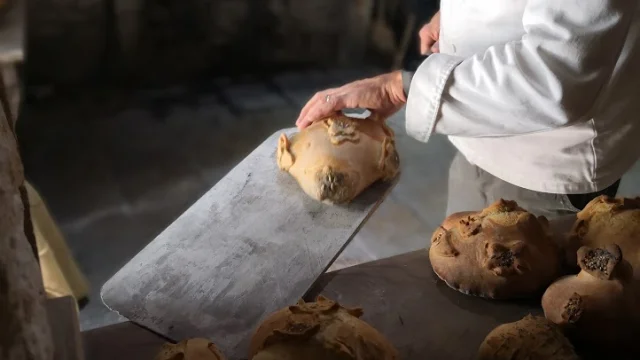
335,159
599,305
531,338
605,221
321,330
500,252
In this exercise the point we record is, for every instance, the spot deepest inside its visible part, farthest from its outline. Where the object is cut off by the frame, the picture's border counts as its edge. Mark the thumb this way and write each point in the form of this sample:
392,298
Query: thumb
425,44
436,47
380,115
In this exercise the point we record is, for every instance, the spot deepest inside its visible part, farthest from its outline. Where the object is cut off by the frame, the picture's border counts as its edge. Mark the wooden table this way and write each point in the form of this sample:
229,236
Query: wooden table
124,341
416,311
425,319
400,296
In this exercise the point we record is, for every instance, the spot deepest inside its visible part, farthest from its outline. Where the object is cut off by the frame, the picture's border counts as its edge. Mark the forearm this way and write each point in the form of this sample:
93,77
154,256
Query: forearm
548,79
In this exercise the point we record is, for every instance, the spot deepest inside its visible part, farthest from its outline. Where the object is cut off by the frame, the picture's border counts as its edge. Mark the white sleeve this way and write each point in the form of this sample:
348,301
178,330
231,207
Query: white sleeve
547,79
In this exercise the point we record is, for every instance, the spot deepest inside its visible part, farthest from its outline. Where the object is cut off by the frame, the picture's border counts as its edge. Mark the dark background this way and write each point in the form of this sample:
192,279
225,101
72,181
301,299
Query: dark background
159,42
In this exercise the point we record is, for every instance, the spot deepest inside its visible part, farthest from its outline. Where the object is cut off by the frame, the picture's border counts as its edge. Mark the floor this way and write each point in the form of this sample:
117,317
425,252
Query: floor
117,168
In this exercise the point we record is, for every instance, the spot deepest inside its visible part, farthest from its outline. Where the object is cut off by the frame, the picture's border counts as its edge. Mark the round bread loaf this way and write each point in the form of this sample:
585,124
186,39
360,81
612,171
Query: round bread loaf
600,305
605,221
321,330
531,338
336,159
500,252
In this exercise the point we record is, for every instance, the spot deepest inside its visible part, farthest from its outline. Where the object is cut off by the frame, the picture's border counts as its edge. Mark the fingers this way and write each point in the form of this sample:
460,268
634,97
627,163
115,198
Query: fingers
426,40
309,105
320,111
314,101
429,47
436,47
321,105
372,93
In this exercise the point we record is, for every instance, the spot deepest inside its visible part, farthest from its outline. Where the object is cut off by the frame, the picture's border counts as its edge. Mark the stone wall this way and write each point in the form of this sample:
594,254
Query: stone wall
24,331
71,41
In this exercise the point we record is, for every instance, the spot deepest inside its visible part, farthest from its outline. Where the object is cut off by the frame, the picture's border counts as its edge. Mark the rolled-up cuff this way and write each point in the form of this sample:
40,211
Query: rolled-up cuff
423,101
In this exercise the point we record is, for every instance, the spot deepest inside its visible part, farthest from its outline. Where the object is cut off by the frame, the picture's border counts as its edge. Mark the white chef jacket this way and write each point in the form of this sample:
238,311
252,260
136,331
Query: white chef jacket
543,94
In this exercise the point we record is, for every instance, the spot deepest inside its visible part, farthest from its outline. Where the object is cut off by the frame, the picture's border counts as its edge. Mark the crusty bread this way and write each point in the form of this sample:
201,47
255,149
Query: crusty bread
500,252
531,338
335,159
191,349
600,305
605,221
321,330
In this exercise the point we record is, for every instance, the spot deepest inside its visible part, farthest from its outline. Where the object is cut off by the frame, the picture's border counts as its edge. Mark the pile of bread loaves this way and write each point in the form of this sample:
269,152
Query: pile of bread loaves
589,282
505,252
320,330
502,252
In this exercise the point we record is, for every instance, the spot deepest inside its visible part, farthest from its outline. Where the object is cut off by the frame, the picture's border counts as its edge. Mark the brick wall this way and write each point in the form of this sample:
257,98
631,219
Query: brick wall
72,41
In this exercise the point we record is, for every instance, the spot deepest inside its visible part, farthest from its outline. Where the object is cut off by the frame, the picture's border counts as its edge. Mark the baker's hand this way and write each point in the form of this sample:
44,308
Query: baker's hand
383,95
429,35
